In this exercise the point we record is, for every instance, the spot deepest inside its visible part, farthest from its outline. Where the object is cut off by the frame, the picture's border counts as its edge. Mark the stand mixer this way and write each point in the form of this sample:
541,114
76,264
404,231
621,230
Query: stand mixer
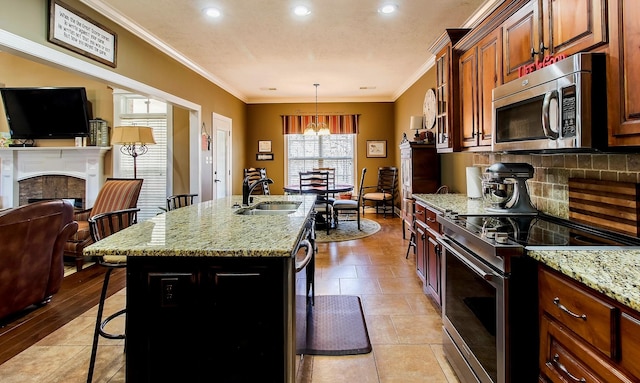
504,188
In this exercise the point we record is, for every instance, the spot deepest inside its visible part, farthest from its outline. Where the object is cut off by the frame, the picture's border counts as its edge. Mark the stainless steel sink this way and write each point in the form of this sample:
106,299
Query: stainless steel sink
278,205
271,208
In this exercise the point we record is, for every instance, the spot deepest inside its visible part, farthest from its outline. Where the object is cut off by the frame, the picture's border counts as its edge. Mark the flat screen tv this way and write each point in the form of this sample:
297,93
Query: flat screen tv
36,113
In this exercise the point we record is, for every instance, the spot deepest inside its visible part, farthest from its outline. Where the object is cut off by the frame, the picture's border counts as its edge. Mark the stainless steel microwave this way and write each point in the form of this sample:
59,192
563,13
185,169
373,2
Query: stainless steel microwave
562,106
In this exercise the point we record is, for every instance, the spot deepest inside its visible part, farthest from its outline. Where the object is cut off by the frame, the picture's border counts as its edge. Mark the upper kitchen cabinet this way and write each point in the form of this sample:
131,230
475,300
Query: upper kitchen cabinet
521,37
447,97
623,94
551,27
480,71
571,26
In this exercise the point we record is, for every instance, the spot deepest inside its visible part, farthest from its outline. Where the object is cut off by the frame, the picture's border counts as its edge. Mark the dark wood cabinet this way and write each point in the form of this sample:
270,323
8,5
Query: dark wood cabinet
571,26
447,98
521,36
419,172
623,96
584,334
428,253
480,72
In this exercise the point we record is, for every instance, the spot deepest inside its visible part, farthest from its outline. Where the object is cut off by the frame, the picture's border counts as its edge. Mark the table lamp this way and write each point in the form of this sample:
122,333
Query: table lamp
134,141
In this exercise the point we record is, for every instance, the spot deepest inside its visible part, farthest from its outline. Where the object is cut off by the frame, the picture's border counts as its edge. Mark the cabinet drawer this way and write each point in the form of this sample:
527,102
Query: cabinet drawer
421,213
630,343
579,310
564,358
431,221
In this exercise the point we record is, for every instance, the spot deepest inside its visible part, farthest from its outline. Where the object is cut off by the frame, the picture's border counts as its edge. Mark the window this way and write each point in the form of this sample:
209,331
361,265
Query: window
305,152
152,166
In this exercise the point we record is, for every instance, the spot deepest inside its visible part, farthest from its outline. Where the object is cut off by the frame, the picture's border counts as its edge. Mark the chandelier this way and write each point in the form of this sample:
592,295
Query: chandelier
316,128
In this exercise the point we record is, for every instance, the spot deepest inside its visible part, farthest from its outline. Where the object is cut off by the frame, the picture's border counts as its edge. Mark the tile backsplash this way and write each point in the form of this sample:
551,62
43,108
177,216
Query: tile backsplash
549,186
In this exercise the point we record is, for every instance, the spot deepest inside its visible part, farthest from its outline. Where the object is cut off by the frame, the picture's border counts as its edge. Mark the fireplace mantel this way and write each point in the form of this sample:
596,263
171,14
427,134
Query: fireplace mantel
19,163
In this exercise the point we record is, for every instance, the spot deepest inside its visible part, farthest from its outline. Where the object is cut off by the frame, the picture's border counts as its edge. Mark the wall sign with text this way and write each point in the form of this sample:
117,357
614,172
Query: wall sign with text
71,29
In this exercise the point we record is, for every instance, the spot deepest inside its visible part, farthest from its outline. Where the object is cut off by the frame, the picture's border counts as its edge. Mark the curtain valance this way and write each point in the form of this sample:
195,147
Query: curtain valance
338,124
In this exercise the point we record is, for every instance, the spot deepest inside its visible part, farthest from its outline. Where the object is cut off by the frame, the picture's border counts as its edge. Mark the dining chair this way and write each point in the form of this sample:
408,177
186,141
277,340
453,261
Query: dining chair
385,190
255,174
177,201
349,205
317,182
101,226
332,181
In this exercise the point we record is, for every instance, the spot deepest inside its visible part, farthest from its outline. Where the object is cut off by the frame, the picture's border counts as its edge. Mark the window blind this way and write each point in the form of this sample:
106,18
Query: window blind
330,151
152,166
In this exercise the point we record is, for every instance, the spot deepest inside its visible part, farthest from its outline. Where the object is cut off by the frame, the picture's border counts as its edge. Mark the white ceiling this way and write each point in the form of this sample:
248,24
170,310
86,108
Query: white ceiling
261,53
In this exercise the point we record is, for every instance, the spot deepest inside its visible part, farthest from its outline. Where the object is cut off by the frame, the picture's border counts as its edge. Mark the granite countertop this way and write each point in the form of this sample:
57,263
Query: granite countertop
613,271
212,229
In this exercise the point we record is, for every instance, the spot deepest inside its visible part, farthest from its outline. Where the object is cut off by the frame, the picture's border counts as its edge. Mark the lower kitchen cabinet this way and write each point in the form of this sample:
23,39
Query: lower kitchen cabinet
428,254
584,335
203,319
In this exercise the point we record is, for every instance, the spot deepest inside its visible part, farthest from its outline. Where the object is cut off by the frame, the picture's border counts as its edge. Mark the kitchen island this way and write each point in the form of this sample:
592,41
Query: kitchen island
211,290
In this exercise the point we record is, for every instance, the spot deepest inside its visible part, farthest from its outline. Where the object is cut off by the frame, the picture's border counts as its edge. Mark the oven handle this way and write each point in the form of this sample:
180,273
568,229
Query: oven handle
546,104
446,242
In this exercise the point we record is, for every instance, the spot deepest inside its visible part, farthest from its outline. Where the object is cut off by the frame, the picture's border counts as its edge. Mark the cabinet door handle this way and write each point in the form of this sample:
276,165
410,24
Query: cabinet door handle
556,301
564,370
430,220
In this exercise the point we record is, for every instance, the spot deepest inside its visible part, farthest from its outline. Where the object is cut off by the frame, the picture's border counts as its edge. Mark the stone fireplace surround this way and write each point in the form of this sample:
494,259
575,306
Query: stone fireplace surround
22,163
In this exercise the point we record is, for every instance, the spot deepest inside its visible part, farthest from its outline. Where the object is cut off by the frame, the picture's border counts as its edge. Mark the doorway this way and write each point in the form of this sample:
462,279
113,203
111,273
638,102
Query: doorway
222,179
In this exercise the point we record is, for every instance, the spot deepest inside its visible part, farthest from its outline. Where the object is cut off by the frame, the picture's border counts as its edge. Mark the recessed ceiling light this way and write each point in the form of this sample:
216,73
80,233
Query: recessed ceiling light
212,12
301,10
388,8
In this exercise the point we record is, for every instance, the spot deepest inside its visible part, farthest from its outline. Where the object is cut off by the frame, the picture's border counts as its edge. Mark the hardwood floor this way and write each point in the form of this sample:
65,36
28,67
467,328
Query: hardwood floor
404,325
78,293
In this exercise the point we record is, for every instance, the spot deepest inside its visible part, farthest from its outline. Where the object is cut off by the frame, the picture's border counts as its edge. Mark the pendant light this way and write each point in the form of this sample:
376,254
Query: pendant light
317,128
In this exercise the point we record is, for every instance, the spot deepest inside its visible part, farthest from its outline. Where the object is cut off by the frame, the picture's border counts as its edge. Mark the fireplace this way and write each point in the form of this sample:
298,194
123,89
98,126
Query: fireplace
51,172
42,188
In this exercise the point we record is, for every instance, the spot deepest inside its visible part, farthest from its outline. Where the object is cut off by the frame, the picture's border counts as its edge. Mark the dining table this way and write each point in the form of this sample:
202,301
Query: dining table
320,191
332,189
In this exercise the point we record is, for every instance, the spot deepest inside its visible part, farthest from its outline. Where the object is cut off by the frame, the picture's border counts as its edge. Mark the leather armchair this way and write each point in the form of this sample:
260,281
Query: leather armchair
32,239
116,194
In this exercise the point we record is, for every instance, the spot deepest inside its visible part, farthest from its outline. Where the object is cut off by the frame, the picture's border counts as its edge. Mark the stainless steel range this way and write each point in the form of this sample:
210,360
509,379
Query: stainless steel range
490,315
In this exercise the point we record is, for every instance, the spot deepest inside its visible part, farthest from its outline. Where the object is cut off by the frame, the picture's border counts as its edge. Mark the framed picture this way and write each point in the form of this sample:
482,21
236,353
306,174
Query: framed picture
377,149
264,156
73,30
264,146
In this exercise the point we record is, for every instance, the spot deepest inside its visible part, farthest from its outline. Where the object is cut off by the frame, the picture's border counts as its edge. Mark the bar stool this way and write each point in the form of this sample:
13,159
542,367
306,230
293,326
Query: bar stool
101,226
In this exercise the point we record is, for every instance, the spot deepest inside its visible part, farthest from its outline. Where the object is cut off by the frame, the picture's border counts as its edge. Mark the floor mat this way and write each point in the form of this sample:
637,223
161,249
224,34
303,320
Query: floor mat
334,325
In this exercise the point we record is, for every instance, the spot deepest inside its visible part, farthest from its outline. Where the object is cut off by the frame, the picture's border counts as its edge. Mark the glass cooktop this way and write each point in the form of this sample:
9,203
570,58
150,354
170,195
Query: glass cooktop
543,230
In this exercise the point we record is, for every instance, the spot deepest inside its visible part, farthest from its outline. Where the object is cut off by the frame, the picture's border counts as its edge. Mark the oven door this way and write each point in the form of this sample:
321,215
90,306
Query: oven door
473,316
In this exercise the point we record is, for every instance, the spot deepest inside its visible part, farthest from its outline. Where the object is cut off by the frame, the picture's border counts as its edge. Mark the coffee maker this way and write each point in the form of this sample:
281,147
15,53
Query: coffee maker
504,188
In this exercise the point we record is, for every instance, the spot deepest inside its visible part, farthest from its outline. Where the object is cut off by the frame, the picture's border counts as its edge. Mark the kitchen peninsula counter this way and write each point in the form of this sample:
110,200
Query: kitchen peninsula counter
614,272
211,229
211,294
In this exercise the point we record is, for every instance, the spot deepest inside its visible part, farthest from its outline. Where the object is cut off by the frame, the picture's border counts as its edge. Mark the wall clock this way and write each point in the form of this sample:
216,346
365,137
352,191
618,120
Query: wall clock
429,109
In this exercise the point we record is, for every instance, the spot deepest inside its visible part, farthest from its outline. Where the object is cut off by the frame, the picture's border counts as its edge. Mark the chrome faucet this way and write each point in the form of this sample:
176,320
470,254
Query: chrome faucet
247,189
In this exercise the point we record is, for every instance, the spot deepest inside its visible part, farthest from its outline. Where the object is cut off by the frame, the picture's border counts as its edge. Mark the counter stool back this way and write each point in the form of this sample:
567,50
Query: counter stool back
180,200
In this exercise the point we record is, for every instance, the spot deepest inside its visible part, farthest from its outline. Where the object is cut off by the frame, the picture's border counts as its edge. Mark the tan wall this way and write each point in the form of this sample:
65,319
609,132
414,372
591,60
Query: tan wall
452,165
138,60
264,123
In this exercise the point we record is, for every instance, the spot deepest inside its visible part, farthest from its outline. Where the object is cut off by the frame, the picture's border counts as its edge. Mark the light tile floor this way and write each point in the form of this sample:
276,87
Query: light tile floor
404,326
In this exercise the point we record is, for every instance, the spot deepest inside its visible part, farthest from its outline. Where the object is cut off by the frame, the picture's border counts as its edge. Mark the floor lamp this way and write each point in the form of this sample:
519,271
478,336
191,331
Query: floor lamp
134,141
